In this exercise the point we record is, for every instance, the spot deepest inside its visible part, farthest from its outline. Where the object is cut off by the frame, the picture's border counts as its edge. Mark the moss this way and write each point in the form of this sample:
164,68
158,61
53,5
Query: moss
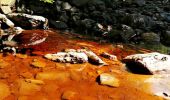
48,1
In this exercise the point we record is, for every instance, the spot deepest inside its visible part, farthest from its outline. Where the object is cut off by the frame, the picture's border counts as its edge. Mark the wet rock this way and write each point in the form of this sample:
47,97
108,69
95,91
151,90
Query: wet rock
159,85
109,56
150,63
4,91
92,57
69,57
38,64
109,80
6,20
68,95
27,21
58,24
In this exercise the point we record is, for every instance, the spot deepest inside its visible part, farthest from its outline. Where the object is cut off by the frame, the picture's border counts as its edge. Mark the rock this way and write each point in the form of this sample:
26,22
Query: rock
68,95
59,76
79,3
166,16
27,21
6,6
150,38
68,57
159,85
109,80
6,20
58,24
138,21
109,56
38,64
127,33
140,2
92,57
66,6
150,63
165,38
4,91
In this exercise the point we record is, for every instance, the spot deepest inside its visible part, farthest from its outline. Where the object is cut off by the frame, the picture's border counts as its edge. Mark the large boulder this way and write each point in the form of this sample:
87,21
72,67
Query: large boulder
150,63
138,21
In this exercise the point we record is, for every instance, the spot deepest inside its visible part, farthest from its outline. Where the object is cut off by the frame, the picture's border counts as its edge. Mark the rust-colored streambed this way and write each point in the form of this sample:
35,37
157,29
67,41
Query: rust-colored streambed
26,77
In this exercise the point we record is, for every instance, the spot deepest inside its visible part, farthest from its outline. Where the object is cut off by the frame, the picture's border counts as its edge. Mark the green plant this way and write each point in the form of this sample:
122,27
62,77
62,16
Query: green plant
48,1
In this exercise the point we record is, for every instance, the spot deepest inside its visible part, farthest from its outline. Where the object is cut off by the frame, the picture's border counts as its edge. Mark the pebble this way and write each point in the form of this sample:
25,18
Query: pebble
109,80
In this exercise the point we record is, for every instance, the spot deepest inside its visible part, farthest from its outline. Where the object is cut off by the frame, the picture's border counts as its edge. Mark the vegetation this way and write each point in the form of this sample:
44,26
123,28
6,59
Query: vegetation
48,1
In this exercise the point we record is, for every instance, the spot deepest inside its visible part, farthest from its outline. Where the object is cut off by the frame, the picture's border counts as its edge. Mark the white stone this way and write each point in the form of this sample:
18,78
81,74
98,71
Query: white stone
108,79
155,63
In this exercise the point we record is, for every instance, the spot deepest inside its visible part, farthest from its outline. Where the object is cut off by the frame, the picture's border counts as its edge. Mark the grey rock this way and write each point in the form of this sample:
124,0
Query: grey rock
66,6
166,16
126,33
138,21
58,24
79,2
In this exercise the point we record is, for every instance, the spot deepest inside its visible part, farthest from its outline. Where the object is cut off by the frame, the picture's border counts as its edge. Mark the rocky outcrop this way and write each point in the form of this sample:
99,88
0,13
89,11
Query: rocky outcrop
104,18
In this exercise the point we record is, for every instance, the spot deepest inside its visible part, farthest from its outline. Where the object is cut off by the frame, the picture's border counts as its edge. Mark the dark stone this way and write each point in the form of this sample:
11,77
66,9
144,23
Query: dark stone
138,21
58,24
79,3
165,38
166,17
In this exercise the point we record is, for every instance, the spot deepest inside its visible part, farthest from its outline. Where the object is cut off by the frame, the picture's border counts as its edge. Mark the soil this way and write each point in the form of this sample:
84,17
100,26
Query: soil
21,79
